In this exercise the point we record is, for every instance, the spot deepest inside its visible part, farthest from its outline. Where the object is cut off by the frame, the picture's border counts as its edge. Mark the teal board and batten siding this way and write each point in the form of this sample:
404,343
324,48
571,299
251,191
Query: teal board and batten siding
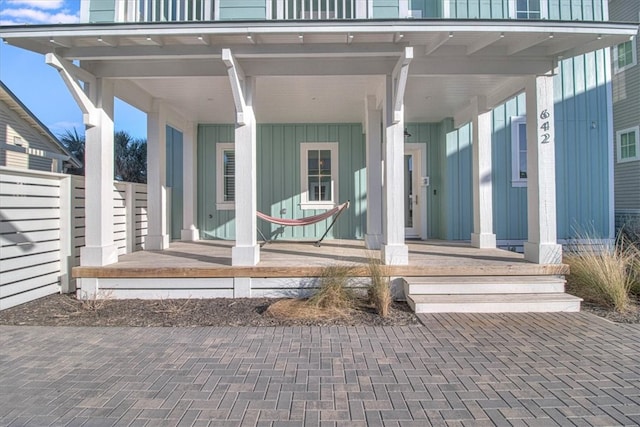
102,11
582,160
278,153
242,9
174,181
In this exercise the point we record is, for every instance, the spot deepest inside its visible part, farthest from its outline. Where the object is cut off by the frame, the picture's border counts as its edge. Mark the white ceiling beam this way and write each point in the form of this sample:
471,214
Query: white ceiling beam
133,95
510,88
400,75
477,64
236,78
333,50
70,74
527,42
436,43
483,42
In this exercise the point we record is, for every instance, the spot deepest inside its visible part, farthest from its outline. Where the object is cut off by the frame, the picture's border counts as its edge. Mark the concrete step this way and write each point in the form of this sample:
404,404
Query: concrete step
483,285
494,303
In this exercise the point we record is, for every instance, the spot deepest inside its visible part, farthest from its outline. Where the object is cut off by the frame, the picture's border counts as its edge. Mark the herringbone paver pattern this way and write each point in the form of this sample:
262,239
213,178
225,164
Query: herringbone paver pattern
515,369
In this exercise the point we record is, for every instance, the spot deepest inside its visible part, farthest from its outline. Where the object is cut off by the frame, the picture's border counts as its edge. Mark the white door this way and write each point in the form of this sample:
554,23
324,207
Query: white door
412,192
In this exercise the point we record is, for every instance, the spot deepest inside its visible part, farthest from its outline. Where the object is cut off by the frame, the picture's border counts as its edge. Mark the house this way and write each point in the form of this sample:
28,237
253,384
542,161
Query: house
456,120
626,115
25,142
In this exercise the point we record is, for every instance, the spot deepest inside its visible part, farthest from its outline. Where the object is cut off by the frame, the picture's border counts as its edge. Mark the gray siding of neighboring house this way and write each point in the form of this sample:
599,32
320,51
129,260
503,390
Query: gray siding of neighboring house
626,114
12,126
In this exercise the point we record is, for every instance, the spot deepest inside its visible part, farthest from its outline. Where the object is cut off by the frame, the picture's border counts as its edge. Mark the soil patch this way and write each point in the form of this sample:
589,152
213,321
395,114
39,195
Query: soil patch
66,310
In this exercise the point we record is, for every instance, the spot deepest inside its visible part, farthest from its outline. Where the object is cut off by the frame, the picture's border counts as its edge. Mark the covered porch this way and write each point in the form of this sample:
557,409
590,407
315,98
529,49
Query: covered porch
441,275
378,75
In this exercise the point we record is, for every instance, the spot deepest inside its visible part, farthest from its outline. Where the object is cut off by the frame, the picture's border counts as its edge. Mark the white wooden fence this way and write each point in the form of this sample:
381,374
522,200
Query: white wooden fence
42,230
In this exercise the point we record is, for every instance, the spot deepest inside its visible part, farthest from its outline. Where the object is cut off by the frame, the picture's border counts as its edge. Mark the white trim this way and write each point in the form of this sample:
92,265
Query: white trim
305,203
221,203
632,130
610,138
634,56
544,11
516,121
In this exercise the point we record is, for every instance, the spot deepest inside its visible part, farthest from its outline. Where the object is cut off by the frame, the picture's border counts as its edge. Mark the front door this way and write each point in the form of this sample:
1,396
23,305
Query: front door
412,206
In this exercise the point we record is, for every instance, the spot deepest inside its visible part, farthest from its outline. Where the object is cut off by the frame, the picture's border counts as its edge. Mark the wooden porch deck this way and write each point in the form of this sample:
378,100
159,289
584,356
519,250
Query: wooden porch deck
212,259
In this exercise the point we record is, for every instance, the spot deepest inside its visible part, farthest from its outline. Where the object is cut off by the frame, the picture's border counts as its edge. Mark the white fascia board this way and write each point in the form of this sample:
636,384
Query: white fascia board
280,27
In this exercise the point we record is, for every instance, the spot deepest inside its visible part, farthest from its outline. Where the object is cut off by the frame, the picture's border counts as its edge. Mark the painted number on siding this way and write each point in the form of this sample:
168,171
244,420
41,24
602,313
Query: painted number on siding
545,137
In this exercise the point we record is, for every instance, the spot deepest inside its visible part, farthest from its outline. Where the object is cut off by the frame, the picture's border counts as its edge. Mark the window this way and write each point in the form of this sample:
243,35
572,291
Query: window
225,176
528,9
319,175
519,151
628,144
624,55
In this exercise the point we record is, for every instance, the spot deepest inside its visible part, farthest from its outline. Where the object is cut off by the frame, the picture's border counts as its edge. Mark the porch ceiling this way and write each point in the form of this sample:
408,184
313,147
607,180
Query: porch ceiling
319,71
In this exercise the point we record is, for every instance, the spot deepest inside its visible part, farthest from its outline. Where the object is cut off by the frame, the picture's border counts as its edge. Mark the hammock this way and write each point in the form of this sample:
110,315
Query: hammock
337,211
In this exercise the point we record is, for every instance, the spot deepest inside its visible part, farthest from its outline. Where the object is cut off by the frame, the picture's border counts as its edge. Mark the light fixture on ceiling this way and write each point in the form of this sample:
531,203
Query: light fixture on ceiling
599,37
406,133
551,35
450,34
501,35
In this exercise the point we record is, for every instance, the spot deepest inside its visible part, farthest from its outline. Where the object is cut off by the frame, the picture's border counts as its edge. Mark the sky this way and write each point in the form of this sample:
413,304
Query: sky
38,85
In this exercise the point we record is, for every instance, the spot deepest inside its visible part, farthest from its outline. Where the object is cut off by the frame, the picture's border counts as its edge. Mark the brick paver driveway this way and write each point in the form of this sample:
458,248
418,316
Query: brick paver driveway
516,369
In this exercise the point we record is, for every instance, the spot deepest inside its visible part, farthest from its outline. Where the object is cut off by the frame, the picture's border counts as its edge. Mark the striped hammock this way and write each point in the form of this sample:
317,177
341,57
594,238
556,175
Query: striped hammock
304,221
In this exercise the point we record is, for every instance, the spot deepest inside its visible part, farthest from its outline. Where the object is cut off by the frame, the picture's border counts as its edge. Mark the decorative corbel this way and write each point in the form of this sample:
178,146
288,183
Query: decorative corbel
70,75
399,76
236,78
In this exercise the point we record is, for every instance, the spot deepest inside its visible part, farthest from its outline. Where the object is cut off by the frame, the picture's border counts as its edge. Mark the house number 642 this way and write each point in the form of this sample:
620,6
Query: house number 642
545,137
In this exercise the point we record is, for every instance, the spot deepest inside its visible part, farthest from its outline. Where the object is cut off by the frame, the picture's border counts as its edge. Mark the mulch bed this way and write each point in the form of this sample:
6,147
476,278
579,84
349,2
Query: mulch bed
66,310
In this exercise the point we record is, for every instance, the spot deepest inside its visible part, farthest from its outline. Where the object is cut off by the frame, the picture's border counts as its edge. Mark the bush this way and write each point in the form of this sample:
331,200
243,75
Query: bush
602,272
333,292
379,292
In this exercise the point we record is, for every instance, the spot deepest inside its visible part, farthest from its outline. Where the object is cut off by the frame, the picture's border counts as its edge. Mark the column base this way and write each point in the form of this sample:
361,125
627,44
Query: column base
242,287
373,241
156,243
543,253
190,235
245,255
483,240
97,256
395,254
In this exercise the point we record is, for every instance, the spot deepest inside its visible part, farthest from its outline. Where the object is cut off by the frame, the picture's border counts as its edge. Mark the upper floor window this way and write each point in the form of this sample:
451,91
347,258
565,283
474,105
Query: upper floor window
624,55
519,151
225,176
319,175
528,9
628,144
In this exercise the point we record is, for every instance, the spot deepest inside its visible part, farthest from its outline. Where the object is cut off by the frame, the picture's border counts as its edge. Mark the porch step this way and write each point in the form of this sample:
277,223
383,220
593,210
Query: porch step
483,285
488,294
494,303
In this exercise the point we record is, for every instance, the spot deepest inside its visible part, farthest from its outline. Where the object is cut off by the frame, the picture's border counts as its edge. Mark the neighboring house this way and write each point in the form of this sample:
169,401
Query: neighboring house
626,115
482,121
25,142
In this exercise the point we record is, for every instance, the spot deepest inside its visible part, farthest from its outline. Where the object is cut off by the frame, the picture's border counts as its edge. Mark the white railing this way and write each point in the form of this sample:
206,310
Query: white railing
42,228
208,10
316,9
164,10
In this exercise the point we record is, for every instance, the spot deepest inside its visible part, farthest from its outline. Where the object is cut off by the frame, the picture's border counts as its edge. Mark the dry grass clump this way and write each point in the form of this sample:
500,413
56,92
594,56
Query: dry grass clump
333,298
379,291
603,273
333,291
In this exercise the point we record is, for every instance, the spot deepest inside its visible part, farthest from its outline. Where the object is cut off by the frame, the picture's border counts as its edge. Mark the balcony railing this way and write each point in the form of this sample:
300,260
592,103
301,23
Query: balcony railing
208,10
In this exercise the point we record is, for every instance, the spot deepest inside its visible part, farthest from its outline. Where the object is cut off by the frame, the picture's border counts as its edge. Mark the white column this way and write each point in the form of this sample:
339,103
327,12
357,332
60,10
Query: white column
482,236
157,237
541,246
394,250
246,250
373,129
190,231
99,248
